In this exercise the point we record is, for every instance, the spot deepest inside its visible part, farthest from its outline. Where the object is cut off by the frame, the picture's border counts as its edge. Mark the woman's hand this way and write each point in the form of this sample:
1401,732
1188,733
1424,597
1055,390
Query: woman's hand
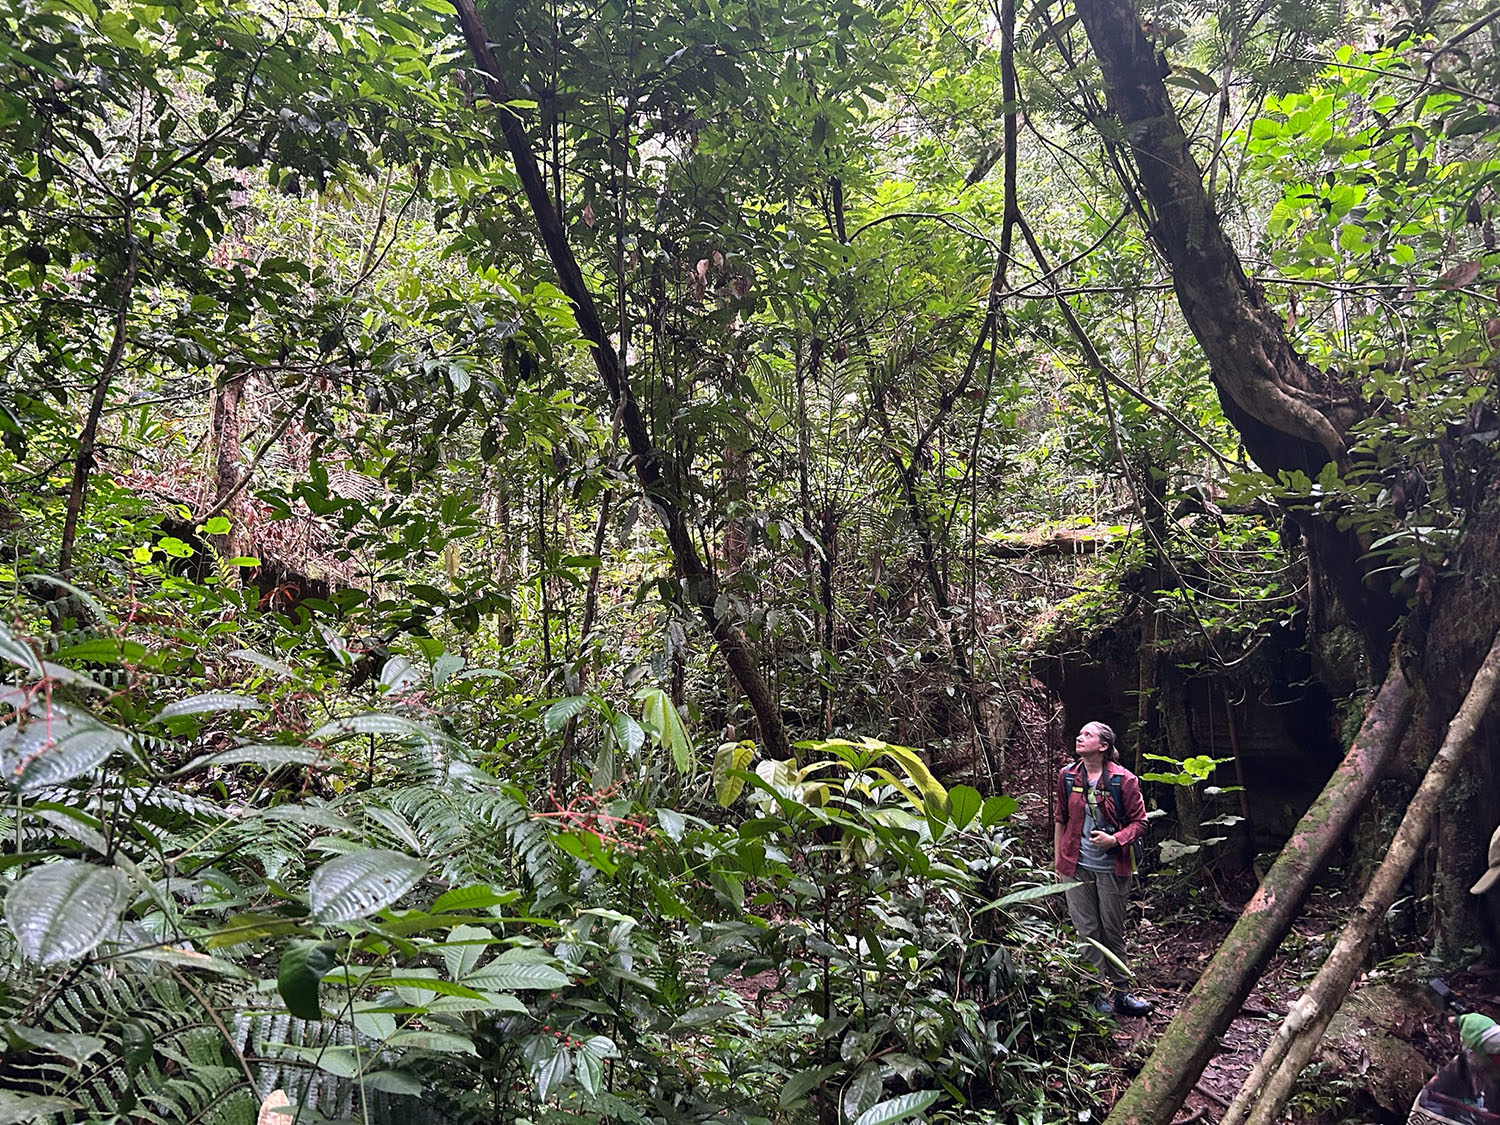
1103,840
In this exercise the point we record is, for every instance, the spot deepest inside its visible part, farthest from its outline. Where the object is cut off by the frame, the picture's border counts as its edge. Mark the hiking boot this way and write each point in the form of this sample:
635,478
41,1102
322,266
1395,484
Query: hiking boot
1129,1004
1102,1004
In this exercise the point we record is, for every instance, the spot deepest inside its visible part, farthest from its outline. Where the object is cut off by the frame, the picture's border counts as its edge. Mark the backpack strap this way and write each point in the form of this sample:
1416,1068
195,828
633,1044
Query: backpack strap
1070,781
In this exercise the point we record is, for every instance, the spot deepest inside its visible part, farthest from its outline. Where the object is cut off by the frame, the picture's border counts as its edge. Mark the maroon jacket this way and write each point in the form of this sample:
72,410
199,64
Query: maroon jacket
1070,812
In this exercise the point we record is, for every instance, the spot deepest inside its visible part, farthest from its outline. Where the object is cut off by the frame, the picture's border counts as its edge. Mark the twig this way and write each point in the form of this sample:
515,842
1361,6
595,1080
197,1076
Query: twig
228,498
213,1014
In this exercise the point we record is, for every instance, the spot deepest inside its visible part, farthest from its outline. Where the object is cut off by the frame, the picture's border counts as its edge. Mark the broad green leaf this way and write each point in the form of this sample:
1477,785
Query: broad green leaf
182,958
476,897
588,1068
897,1109
261,660
76,1048
136,1046
444,667
373,722
964,803
341,1061
55,747
996,809
258,754
60,911
629,735
556,717
377,1025
445,1041
799,1084
487,1002
16,1108
705,1014
1027,894
731,756
356,885
60,675
776,773
863,1091
586,845
252,927
933,794
209,702
310,815
104,650
18,652
900,786
302,966
463,949
666,724
394,1082
672,823
550,1070
514,978
396,675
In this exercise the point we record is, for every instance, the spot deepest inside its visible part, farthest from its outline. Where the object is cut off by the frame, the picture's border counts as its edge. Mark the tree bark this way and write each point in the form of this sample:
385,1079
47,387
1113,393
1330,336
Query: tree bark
1188,1043
1269,1086
1283,406
226,430
83,462
701,588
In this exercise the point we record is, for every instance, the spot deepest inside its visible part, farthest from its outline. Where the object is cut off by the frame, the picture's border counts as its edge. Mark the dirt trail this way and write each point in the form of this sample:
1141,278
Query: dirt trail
1391,1036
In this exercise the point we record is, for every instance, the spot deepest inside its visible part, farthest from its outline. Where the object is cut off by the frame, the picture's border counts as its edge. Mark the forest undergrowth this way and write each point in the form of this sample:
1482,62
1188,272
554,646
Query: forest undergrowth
542,546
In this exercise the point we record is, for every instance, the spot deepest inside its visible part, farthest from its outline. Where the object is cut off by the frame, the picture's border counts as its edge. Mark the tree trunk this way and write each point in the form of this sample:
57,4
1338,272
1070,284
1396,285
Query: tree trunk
1269,1086
1189,1041
1280,403
83,461
700,586
226,432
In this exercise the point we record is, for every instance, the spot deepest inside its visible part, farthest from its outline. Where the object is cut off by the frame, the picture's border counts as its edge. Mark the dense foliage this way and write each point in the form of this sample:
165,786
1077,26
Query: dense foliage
367,743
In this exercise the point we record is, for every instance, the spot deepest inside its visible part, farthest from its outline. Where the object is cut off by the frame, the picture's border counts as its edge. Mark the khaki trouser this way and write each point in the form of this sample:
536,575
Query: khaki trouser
1097,907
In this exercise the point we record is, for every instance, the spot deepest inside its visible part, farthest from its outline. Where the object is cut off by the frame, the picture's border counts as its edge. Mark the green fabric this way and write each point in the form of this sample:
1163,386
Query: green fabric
1479,1033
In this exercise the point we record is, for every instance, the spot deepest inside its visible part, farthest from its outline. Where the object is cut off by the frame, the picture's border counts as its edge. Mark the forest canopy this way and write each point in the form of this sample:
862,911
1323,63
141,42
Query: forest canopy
545,545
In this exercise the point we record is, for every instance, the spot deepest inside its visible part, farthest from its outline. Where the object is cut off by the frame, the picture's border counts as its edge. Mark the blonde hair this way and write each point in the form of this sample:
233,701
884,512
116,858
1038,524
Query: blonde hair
1106,735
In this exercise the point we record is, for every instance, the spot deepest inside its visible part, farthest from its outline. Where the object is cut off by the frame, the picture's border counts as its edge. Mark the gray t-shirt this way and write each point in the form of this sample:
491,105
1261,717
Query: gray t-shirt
1088,855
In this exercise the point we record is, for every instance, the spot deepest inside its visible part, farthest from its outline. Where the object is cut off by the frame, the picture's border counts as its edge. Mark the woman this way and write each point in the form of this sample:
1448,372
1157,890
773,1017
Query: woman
1091,840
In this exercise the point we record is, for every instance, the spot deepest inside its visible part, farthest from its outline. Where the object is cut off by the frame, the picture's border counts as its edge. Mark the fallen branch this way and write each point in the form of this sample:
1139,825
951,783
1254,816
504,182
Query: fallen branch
1269,1086
1189,1040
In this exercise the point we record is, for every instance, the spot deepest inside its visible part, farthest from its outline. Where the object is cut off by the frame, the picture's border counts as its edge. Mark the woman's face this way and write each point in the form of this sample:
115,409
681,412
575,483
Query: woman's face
1088,740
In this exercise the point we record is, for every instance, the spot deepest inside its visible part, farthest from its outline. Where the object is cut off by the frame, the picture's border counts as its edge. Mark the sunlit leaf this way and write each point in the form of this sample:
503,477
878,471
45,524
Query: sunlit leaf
898,1109
356,885
210,702
60,911
55,747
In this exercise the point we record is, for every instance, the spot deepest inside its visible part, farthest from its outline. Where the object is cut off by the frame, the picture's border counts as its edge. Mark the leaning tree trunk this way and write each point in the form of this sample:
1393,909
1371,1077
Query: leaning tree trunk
1190,1040
1290,419
1275,398
698,579
1269,1087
